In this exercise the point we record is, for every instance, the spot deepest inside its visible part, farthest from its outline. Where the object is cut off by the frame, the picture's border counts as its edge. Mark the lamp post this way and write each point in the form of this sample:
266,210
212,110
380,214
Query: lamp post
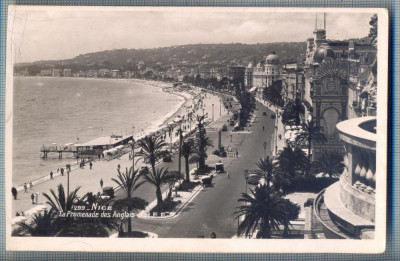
213,112
220,106
132,142
67,183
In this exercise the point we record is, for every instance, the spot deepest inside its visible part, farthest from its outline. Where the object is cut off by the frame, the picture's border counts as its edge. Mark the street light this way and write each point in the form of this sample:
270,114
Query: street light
132,142
213,112
220,106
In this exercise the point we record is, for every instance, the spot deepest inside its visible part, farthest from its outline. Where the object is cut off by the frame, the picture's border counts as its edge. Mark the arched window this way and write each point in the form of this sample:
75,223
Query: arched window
328,121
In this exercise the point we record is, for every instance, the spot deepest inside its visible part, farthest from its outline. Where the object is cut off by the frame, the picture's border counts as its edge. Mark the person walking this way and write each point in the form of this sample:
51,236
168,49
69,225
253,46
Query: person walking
237,153
101,183
51,174
33,198
14,192
36,197
228,174
25,186
119,167
62,171
30,185
90,165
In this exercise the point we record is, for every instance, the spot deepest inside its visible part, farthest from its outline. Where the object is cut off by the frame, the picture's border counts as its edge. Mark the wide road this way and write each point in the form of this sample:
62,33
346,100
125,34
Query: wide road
213,208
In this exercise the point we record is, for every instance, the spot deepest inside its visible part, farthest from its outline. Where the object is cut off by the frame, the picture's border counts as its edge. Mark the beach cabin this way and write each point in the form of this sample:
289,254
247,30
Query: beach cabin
96,148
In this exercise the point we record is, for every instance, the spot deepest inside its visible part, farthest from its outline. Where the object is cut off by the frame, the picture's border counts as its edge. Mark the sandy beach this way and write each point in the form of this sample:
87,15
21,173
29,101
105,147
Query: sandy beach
88,179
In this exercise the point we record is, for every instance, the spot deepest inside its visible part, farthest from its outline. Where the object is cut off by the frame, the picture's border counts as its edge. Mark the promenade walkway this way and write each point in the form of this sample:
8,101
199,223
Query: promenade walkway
89,179
212,210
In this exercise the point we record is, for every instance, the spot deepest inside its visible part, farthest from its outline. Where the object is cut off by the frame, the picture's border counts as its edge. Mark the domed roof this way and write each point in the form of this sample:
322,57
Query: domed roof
323,52
272,58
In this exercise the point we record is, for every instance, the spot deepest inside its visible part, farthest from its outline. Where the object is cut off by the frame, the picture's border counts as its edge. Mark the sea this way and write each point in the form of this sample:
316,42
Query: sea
49,110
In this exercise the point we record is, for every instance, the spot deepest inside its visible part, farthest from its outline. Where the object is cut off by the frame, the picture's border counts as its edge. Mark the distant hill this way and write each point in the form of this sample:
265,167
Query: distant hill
192,55
213,54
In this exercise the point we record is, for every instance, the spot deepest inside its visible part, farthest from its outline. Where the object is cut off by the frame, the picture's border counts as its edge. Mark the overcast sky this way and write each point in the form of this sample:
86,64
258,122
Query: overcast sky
63,33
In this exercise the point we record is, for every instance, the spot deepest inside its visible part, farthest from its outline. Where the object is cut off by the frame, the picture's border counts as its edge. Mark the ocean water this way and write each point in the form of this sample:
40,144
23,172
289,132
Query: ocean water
73,110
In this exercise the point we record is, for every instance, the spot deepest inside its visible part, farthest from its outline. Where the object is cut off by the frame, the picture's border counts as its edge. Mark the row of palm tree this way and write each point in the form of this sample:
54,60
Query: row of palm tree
152,149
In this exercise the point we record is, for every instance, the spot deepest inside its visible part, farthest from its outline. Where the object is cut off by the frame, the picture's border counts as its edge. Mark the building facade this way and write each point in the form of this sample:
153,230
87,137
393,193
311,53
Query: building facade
263,73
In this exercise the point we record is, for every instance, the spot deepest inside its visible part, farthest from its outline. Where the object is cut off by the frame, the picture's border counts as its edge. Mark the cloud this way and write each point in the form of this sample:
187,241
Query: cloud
62,33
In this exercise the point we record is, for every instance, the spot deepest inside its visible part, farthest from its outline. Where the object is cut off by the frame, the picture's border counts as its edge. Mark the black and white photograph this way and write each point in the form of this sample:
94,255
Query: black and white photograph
196,129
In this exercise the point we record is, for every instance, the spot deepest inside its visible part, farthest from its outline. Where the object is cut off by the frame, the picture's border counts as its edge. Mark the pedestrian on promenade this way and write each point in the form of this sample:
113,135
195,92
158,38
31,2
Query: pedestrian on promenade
51,174
14,192
90,165
58,170
25,186
17,214
36,197
33,198
30,185
263,128
237,153
22,213
119,167
62,171
101,183
228,174
68,167
213,235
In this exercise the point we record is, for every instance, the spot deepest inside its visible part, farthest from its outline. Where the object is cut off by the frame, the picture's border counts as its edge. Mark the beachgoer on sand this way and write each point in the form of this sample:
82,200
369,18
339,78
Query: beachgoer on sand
90,165
33,198
14,192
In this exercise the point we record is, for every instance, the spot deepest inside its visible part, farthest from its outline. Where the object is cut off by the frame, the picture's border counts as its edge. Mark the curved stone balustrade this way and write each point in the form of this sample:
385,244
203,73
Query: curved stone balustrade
346,209
360,144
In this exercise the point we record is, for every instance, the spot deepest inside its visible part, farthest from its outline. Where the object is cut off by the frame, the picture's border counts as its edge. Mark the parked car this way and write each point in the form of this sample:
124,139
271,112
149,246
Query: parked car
108,191
167,159
273,116
224,128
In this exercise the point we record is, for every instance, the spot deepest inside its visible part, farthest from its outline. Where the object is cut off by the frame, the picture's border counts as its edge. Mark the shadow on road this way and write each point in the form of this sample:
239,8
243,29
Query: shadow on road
188,207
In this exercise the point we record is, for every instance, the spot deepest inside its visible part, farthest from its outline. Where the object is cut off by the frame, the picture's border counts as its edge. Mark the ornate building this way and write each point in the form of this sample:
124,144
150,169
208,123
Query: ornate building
264,73
335,78
341,87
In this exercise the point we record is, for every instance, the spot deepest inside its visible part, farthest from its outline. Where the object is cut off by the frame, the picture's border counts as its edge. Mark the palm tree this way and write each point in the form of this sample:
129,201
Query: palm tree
330,163
43,225
265,168
60,202
288,164
310,133
202,141
157,179
75,226
263,209
129,182
181,138
188,149
152,149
